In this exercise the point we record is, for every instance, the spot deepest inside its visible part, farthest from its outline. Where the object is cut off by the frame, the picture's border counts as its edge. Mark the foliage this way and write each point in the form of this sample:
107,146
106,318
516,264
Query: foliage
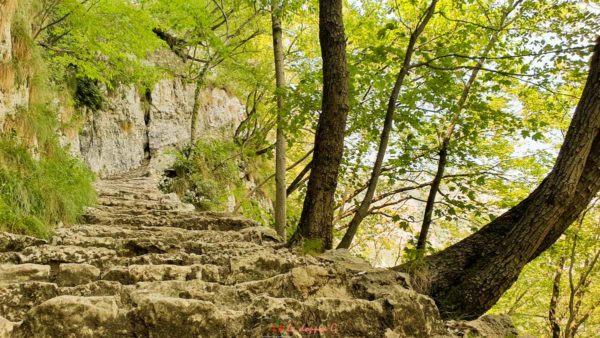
200,170
88,94
108,41
504,138
528,301
213,175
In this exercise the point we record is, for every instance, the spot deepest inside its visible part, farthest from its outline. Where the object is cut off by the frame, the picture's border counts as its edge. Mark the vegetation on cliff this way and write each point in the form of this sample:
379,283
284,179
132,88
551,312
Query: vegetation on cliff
41,183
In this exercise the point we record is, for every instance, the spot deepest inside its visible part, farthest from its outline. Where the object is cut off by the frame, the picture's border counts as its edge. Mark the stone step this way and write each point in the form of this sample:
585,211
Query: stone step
18,273
138,195
73,316
16,299
66,274
151,239
152,273
172,258
136,204
57,254
113,237
157,211
14,242
190,221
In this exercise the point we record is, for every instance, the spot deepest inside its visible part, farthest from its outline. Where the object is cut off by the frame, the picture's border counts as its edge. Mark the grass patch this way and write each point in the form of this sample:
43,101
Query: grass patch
37,194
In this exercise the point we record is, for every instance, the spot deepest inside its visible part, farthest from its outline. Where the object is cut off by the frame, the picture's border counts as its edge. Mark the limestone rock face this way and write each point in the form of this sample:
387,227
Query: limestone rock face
12,94
146,265
171,109
133,127
112,139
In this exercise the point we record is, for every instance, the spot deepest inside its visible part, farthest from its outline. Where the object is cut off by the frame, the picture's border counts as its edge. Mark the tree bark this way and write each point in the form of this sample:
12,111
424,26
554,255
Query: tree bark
363,210
317,214
280,143
554,325
435,185
467,278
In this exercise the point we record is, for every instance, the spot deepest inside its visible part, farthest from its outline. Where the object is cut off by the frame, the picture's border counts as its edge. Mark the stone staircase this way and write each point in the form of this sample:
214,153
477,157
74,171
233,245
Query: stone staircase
143,264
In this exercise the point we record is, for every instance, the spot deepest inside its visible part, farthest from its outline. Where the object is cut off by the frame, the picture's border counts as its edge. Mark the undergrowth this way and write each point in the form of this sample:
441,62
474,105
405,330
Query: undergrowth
217,175
36,194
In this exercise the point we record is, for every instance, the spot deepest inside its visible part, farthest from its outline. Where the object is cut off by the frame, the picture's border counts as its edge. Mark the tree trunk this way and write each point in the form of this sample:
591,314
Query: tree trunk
460,106
194,118
298,180
280,143
363,209
554,326
317,214
467,278
435,185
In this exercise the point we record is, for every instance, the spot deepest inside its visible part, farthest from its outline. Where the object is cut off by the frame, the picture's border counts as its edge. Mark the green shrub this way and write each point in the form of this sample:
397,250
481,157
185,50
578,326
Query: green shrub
88,94
209,173
204,174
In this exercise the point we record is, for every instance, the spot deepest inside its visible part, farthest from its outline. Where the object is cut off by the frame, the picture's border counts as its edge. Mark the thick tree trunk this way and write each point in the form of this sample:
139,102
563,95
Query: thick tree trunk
317,214
468,278
280,143
363,209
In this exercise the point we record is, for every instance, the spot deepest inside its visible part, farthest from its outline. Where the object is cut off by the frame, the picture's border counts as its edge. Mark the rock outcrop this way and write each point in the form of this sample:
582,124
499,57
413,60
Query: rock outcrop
133,127
143,264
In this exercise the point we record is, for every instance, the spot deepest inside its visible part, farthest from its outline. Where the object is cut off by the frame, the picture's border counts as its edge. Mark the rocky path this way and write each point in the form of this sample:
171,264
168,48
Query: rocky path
144,264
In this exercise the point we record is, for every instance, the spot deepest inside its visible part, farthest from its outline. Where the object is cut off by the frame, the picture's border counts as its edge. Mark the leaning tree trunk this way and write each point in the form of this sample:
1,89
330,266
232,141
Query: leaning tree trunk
469,277
430,204
462,101
317,214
